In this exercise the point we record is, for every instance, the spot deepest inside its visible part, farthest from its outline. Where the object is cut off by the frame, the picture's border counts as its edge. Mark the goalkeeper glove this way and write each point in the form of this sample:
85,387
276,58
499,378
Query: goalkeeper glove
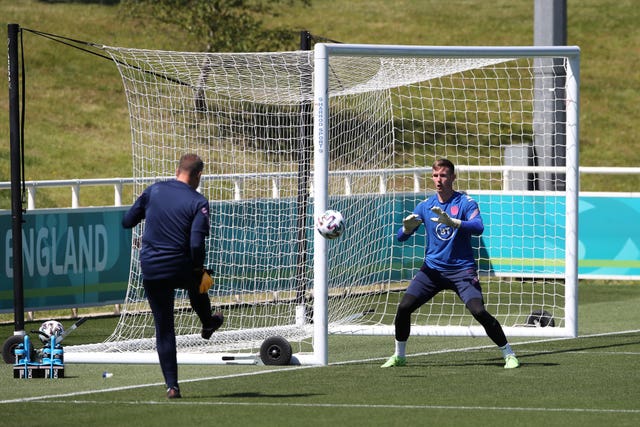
205,281
444,218
410,223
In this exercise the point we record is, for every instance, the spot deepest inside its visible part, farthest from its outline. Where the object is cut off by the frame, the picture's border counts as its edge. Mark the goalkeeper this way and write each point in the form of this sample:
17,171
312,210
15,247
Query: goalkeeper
450,219
172,257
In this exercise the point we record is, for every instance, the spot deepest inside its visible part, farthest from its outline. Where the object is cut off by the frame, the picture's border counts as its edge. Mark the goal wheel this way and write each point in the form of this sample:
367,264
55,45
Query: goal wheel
9,347
541,318
275,351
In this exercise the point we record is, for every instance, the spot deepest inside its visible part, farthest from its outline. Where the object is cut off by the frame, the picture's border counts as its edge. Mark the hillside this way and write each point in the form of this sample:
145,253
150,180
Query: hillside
77,122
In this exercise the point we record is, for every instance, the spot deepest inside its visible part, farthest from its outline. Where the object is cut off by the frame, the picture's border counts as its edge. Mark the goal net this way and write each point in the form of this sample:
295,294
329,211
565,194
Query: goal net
355,128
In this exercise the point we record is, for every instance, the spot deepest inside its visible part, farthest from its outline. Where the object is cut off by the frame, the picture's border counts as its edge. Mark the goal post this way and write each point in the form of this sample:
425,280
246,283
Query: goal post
381,115
564,277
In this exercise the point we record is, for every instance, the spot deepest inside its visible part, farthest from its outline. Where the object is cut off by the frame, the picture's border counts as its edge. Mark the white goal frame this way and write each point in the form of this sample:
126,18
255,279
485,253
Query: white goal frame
322,60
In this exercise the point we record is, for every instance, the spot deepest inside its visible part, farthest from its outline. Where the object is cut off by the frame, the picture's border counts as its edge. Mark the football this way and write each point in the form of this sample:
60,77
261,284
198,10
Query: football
330,224
49,329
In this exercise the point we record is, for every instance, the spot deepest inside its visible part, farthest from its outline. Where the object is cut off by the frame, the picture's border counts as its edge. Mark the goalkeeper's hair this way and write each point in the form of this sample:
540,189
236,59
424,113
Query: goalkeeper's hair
444,163
192,164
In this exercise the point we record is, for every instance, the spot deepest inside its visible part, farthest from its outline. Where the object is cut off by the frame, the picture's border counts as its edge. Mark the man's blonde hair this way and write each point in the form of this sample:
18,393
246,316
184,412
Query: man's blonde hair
444,163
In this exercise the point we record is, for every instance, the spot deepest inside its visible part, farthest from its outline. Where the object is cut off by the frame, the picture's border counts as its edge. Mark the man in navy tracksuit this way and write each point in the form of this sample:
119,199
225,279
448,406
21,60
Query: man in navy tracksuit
172,256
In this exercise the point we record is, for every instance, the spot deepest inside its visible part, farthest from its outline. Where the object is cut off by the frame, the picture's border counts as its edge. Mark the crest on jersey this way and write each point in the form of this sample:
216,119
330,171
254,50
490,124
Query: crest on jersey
444,232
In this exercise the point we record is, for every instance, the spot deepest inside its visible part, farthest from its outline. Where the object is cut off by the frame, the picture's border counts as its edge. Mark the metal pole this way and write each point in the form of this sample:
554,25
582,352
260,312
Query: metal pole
16,179
550,29
305,148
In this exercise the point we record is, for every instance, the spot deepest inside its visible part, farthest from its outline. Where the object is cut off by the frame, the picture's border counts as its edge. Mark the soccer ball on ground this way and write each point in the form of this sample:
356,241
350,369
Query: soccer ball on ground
330,224
49,329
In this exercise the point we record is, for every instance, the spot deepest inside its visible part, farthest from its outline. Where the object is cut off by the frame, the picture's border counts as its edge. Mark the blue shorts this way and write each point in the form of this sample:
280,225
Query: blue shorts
428,282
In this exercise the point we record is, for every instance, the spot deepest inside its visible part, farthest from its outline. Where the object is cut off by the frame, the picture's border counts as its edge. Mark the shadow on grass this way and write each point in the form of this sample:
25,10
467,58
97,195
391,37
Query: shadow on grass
635,340
497,363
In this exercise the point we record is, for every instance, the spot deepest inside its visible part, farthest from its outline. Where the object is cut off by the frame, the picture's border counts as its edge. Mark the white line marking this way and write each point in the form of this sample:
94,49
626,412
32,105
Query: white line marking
348,406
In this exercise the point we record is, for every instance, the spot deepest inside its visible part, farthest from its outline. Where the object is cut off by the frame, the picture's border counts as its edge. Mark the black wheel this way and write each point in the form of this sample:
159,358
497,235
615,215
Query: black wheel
541,318
9,347
275,351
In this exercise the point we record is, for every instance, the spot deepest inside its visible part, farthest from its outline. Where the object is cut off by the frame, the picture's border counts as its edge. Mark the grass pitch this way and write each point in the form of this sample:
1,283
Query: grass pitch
591,380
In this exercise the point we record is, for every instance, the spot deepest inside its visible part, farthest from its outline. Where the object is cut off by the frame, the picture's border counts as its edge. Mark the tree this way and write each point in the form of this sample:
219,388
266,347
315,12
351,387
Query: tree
222,25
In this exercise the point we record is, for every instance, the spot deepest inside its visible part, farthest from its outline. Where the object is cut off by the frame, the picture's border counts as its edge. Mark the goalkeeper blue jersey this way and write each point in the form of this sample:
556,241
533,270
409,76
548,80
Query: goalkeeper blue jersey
448,248
176,226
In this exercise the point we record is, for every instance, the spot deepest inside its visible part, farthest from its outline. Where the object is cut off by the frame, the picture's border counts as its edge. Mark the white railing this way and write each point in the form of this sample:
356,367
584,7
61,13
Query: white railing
238,180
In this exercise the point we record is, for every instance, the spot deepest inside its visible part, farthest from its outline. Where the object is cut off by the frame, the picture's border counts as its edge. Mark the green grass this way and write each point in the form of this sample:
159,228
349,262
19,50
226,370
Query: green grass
591,380
77,122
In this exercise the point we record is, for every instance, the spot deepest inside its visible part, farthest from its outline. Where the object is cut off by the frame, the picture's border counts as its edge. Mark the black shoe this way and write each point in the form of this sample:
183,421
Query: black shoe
216,321
173,393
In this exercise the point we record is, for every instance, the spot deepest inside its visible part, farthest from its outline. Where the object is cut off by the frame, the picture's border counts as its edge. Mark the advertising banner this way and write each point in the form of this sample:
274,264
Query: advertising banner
80,257
71,258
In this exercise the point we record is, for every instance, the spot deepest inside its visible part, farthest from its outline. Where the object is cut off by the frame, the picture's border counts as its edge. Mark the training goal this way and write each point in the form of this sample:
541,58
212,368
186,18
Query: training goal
355,128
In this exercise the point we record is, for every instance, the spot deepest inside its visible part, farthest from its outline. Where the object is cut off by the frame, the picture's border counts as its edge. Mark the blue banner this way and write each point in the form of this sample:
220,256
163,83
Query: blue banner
524,234
529,236
80,257
71,258
609,236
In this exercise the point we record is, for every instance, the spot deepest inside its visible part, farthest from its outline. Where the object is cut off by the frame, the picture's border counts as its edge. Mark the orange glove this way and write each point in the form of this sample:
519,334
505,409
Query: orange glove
206,281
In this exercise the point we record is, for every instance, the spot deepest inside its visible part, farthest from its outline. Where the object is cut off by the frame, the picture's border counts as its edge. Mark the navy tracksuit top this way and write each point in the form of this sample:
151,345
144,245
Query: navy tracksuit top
176,225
